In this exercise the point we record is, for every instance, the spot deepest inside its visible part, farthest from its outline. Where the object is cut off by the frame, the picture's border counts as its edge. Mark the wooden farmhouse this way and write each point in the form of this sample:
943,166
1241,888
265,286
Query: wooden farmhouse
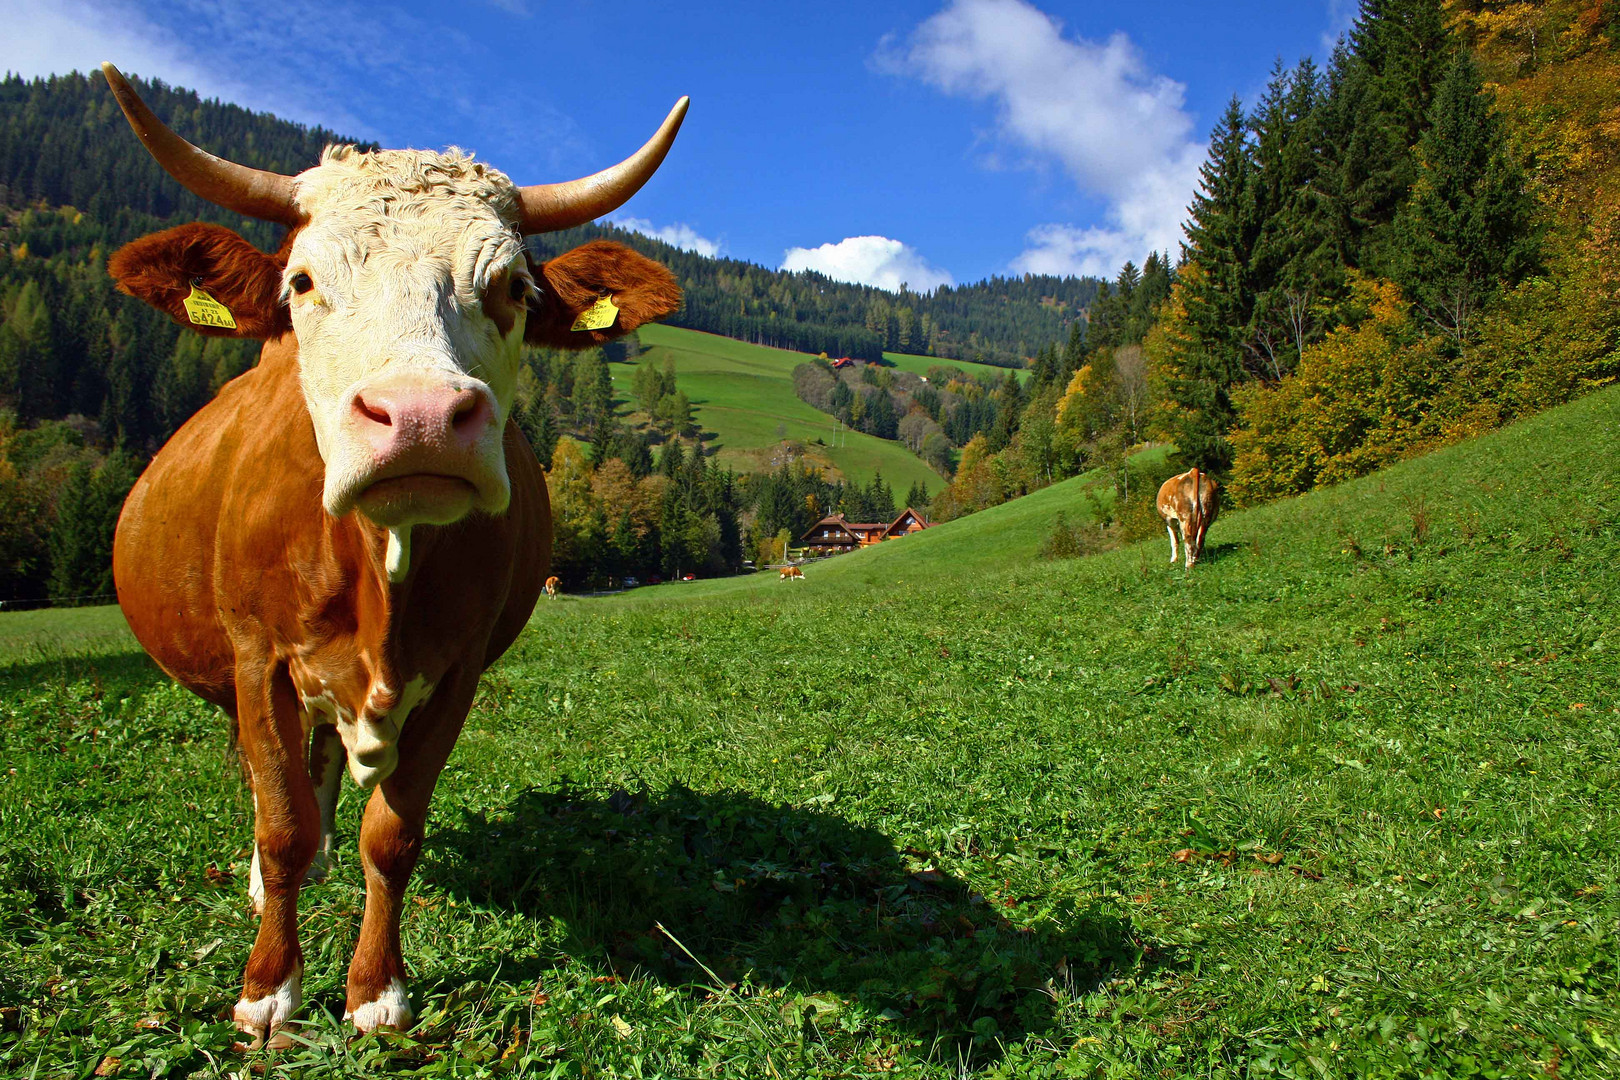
835,534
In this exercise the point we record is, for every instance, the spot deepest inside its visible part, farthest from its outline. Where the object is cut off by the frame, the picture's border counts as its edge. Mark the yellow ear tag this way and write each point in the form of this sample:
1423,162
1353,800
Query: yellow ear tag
599,316
204,310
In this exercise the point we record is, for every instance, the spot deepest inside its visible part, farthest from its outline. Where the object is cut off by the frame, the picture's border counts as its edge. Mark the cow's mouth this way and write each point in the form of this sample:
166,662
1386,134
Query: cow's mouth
418,498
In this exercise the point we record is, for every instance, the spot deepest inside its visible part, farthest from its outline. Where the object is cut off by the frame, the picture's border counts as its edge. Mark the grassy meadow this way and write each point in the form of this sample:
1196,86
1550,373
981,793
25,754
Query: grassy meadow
743,396
1338,803
919,365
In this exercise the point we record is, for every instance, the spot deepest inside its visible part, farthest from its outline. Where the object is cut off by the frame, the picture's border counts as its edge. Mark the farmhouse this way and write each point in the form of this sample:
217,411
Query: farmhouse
834,535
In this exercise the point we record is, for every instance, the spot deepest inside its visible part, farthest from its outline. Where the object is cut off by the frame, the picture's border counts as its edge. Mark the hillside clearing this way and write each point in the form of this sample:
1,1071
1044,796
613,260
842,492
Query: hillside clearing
1338,803
743,396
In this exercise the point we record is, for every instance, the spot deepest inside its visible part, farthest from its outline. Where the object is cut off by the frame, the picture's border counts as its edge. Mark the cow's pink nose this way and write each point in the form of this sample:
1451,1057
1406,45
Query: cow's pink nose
400,416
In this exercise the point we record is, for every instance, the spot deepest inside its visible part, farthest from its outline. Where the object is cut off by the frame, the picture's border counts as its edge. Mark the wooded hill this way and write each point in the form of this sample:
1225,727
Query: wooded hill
92,382
1000,321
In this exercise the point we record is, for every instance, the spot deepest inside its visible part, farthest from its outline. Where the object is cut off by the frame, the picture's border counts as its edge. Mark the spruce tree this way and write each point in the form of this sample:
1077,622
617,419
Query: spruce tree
1465,232
1217,294
1401,51
1294,269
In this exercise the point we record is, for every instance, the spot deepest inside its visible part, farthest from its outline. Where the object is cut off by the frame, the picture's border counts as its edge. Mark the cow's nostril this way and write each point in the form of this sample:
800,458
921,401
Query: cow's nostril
376,412
469,412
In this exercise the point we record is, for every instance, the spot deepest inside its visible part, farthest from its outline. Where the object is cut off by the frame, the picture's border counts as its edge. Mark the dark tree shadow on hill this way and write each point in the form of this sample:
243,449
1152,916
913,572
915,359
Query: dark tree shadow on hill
796,898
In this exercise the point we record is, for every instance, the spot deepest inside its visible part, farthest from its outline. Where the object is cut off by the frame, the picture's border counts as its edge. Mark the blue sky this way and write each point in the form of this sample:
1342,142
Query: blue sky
924,142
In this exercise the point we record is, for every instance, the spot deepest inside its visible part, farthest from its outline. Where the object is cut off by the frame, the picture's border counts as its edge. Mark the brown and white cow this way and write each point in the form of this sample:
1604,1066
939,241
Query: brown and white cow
791,573
338,545
552,584
1190,502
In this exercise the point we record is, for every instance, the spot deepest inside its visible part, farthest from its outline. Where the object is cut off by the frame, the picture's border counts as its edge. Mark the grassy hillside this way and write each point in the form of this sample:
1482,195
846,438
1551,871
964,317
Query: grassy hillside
919,365
743,394
1338,803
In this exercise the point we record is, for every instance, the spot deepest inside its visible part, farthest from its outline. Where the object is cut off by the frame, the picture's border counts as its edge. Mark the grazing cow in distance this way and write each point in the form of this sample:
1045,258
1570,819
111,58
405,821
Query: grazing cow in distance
791,573
1190,502
551,586
336,547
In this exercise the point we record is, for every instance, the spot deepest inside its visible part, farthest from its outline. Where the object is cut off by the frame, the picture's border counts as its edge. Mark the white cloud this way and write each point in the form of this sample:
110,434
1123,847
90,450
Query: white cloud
53,37
1341,17
678,235
869,260
1120,131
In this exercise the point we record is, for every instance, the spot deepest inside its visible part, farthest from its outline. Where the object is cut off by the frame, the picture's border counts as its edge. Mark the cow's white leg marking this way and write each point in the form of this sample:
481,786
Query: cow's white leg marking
397,560
392,1009
261,1018
255,875
1172,533
326,770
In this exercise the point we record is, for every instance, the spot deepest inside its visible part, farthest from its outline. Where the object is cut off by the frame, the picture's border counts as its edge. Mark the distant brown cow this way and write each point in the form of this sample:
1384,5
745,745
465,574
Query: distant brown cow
1190,501
792,573
551,586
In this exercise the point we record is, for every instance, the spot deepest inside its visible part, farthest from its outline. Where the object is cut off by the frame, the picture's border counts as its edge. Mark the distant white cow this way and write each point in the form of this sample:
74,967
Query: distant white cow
1191,502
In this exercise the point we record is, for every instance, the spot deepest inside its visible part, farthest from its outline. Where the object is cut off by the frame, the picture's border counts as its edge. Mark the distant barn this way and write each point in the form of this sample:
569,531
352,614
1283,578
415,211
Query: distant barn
835,534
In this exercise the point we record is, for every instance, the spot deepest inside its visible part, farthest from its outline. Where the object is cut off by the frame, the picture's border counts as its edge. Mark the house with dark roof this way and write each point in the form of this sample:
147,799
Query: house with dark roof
835,534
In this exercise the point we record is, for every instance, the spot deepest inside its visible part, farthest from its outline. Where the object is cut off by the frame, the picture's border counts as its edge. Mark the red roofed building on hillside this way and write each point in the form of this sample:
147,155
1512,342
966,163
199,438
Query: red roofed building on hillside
835,534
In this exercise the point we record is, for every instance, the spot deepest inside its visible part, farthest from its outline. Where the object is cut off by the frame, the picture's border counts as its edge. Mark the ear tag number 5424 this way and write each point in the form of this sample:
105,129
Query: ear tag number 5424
599,316
204,310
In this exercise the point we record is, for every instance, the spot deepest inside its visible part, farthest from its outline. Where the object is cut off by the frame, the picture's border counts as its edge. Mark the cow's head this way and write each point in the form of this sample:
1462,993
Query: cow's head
405,280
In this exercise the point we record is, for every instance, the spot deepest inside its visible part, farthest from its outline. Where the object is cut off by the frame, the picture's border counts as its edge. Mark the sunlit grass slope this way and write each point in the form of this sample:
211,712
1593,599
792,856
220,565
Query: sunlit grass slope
919,365
1339,803
743,394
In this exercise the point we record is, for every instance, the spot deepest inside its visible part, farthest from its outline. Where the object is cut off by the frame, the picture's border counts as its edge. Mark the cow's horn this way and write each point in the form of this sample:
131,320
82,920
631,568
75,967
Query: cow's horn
549,207
265,195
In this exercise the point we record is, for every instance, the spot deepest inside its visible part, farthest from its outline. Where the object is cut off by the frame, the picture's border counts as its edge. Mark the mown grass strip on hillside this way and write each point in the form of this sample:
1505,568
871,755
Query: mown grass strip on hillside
742,396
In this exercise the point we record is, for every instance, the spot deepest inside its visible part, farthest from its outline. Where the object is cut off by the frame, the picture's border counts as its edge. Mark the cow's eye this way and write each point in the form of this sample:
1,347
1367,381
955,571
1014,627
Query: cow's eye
301,283
518,289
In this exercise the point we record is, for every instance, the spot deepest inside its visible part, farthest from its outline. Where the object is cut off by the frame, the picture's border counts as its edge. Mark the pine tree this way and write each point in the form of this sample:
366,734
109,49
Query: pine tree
1295,274
1399,50
672,460
1218,295
1466,230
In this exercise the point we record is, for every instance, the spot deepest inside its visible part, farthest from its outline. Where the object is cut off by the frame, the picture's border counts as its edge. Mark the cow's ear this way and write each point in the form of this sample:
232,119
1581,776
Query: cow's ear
198,262
573,283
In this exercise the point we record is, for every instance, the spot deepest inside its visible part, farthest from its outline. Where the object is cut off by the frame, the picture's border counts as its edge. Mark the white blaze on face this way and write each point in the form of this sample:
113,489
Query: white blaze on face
409,336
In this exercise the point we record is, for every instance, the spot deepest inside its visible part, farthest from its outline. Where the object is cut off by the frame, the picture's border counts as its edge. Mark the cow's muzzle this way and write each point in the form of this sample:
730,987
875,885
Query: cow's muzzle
422,451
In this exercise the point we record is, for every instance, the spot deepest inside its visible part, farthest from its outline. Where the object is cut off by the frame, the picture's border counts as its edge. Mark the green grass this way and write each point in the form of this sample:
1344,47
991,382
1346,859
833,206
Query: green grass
51,633
1339,803
919,365
743,394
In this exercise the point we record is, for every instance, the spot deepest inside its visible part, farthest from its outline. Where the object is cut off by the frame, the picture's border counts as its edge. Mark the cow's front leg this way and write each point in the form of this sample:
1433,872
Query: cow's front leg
286,829
390,843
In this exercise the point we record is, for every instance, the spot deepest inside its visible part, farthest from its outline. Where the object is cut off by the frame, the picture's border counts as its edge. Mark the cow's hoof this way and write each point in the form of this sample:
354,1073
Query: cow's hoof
391,1010
264,1017
319,867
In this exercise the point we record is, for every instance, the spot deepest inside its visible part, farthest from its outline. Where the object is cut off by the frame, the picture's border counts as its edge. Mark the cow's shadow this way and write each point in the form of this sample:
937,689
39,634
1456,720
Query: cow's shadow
796,899
1217,552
